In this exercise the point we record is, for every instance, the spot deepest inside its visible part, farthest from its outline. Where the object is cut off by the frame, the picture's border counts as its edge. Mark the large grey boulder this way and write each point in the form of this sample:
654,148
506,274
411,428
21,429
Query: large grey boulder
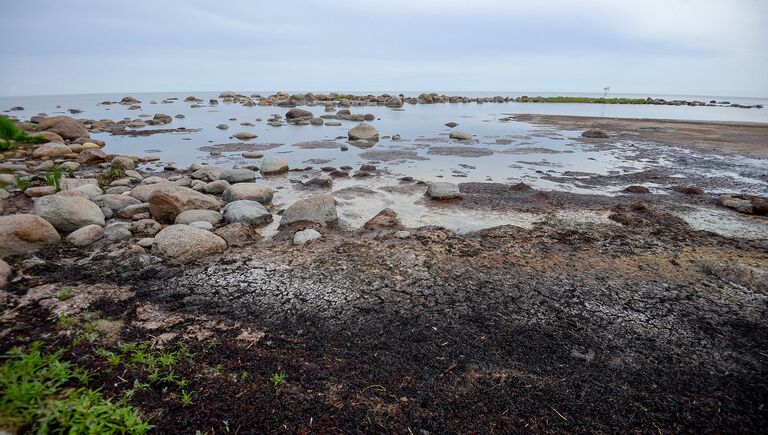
244,136
443,190
250,212
166,202
240,175
25,233
250,191
296,114
116,202
185,243
69,213
319,209
364,132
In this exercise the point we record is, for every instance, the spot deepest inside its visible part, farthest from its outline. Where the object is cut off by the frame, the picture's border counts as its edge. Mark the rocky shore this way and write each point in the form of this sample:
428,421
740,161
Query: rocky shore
607,313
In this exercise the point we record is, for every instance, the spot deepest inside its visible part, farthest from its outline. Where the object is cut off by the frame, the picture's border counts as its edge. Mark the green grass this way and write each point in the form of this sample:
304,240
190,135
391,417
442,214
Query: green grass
277,378
53,177
41,393
10,134
64,294
590,100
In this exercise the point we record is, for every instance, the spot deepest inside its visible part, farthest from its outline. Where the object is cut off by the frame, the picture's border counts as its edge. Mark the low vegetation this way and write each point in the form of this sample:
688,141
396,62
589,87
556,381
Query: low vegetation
9,134
591,100
42,393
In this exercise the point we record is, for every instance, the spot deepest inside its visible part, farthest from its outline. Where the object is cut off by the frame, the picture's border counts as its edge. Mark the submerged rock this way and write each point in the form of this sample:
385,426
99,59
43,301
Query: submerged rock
460,135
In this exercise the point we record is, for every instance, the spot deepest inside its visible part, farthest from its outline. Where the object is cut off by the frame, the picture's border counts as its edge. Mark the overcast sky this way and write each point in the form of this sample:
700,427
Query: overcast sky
694,47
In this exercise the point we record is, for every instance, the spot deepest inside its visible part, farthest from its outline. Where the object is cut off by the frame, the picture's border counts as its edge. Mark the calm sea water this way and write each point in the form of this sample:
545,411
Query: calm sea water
518,151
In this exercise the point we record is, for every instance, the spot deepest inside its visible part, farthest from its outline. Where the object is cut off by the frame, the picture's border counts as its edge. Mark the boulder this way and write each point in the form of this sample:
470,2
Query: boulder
185,243
594,133
248,191
239,175
252,155
443,190
5,273
85,235
38,191
394,102
364,132
142,191
294,114
273,165
167,201
202,225
238,234
304,236
67,127
92,156
460,135
51,149
319,209
123,163
116,202
188,216
69,213
250,212
146,227
214,187
386,218
25,233
245,136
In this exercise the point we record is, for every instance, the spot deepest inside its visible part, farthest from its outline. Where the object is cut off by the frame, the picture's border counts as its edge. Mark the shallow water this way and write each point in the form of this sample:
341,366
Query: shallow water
502,151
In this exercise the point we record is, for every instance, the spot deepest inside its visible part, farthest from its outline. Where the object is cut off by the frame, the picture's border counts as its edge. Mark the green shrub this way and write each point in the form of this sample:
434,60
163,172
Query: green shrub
9,133
42,393
53,177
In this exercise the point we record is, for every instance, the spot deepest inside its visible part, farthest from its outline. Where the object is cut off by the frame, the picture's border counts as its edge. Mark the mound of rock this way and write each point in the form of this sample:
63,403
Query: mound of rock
273,166
594,133
364,132
320,209
250,212
443,190
169,200
25,233
248,191
67,127
185,243
69,213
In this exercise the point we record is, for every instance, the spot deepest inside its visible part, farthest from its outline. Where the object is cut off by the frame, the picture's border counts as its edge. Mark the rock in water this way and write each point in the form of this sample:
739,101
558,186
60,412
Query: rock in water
443,190
460,135
167,201
298,114
25,233
364,132
67,127
185,243
594,133
304,236
273,165
69,213
319,209
244,136
250,212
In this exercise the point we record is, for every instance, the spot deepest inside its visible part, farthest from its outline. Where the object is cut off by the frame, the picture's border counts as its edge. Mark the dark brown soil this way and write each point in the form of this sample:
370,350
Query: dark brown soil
638,326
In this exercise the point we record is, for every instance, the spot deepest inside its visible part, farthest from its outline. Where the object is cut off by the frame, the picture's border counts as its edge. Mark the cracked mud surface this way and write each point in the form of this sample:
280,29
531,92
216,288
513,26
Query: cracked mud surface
639,324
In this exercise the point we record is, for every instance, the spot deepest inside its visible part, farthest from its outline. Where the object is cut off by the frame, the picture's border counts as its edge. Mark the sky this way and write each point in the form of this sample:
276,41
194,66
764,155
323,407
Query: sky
673,47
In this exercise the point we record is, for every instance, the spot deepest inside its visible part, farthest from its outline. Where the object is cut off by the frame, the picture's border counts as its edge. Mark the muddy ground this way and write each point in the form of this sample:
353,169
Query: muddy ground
640,325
